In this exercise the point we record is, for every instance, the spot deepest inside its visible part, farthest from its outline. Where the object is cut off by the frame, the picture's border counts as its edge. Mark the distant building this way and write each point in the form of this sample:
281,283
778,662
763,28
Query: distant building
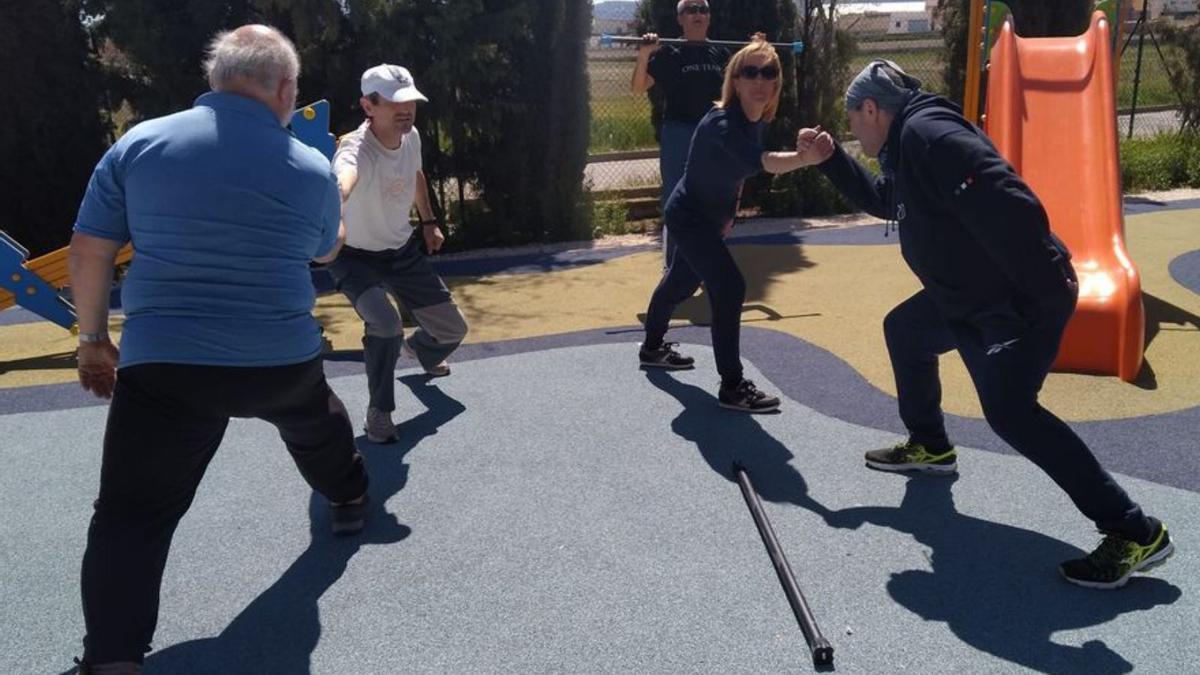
612,27
1159,9
876,18
614,18
1179,7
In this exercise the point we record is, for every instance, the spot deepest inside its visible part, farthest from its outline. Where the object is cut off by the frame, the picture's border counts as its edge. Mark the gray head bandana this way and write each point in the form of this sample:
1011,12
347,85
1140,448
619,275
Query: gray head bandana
885,83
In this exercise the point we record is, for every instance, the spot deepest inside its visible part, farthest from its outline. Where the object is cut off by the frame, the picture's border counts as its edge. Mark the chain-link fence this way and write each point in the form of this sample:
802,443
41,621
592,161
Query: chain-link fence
919,54
1146,63
623,153
623,150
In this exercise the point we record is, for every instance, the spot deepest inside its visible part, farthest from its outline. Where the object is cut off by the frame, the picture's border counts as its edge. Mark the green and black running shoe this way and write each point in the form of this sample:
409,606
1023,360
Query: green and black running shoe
909,456
1117,558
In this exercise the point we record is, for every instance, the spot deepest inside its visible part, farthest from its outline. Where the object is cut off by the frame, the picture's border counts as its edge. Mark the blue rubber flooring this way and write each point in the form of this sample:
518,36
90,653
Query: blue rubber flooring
551,508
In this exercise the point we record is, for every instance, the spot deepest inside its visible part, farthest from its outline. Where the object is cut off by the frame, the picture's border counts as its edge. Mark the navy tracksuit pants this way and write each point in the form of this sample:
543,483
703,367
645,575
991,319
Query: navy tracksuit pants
1008,380
699,255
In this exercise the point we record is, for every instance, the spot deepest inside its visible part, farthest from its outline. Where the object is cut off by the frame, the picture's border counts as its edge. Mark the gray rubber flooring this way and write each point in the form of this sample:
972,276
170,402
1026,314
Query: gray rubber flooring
562,511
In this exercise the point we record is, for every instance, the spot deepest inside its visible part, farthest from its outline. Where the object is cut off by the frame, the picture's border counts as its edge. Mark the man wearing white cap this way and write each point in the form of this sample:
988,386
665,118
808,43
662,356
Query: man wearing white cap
378,169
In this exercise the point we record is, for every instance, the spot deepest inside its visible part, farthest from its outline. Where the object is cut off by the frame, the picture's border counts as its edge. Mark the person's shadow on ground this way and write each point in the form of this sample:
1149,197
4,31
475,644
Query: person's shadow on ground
278,631
725,436
994,585
762,268
1161,315
997,587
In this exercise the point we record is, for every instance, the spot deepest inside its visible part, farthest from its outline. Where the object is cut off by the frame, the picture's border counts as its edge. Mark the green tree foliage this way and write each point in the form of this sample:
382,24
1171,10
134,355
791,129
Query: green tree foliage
507,119
823,74
163,42
522,118
1185,69
953,16
52,134
824,69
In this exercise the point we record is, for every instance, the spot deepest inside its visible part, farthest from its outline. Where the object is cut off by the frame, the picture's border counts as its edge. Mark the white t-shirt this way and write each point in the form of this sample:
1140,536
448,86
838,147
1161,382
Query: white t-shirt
377,212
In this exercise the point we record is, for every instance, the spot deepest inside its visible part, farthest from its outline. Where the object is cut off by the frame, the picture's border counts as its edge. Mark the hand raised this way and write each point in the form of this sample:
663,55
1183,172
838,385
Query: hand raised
814,144
822,146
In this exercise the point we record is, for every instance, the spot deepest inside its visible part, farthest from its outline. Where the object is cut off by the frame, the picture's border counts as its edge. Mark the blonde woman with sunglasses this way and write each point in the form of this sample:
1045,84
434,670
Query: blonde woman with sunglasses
726,149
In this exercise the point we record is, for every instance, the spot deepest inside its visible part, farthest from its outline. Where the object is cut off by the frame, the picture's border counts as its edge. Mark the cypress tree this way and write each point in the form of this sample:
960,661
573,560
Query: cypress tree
54,130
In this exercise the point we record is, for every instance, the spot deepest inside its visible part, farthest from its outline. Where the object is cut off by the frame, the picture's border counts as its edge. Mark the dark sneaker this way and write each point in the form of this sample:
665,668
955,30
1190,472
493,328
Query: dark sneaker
379,427
747,398
1116,559
350,518
909,456
665,357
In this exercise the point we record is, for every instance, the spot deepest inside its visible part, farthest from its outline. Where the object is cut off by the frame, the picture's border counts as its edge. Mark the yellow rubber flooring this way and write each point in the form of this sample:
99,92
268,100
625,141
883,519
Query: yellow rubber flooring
832,296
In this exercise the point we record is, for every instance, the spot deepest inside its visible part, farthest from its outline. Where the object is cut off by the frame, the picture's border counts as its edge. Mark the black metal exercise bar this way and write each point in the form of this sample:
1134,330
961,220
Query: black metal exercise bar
822,651
607,40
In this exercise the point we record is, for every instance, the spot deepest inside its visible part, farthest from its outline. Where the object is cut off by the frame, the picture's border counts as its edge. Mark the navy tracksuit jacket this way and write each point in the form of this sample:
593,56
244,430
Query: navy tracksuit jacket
998,287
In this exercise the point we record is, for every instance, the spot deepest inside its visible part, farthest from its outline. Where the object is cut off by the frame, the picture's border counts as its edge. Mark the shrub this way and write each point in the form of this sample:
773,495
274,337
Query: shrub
1161,163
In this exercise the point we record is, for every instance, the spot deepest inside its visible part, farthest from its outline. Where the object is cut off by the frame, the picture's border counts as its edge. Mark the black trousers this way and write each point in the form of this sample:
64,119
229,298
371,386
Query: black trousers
698,254
1008,376
164,425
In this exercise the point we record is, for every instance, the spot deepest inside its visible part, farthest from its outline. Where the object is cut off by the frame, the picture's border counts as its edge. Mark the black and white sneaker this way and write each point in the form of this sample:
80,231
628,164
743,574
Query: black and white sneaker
665,357
747,398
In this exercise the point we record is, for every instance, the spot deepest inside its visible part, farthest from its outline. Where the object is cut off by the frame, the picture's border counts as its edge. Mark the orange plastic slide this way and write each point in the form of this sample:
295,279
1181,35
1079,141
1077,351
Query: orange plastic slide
1052,113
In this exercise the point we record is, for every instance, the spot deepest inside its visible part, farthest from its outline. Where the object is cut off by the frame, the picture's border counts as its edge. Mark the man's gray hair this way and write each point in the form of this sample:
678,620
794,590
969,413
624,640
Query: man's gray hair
260,54
885,83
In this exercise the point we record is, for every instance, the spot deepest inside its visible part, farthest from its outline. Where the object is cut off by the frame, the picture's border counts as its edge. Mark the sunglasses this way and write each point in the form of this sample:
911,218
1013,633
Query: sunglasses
694,9
769,73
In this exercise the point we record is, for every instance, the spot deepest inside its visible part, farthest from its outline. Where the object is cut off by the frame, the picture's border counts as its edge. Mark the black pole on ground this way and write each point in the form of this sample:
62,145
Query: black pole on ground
822,651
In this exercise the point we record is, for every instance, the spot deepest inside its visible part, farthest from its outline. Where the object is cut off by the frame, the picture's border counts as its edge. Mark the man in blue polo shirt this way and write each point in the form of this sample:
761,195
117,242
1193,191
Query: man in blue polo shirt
225,209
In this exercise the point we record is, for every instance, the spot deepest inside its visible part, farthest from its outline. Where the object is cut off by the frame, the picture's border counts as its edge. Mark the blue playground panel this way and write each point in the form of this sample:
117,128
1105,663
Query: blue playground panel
28,289
310,125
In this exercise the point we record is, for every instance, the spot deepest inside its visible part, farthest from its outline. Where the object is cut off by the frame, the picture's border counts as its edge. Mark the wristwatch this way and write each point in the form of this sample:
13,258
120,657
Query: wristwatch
101,336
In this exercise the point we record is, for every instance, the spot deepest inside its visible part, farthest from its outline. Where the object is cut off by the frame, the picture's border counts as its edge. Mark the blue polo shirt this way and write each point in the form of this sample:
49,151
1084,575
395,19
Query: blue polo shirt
225,210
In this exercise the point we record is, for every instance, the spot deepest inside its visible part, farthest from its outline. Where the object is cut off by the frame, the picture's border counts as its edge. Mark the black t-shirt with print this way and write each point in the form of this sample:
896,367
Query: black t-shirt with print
690,75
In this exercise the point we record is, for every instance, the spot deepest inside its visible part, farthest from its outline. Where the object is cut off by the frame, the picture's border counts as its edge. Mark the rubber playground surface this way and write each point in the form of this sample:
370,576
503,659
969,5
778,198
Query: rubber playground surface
552,508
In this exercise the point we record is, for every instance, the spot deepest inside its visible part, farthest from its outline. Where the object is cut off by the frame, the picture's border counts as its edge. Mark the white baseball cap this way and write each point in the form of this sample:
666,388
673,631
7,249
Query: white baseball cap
393,83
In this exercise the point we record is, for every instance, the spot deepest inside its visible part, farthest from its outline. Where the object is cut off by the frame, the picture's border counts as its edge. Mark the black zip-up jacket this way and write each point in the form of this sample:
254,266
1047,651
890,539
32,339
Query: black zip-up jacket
970,228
